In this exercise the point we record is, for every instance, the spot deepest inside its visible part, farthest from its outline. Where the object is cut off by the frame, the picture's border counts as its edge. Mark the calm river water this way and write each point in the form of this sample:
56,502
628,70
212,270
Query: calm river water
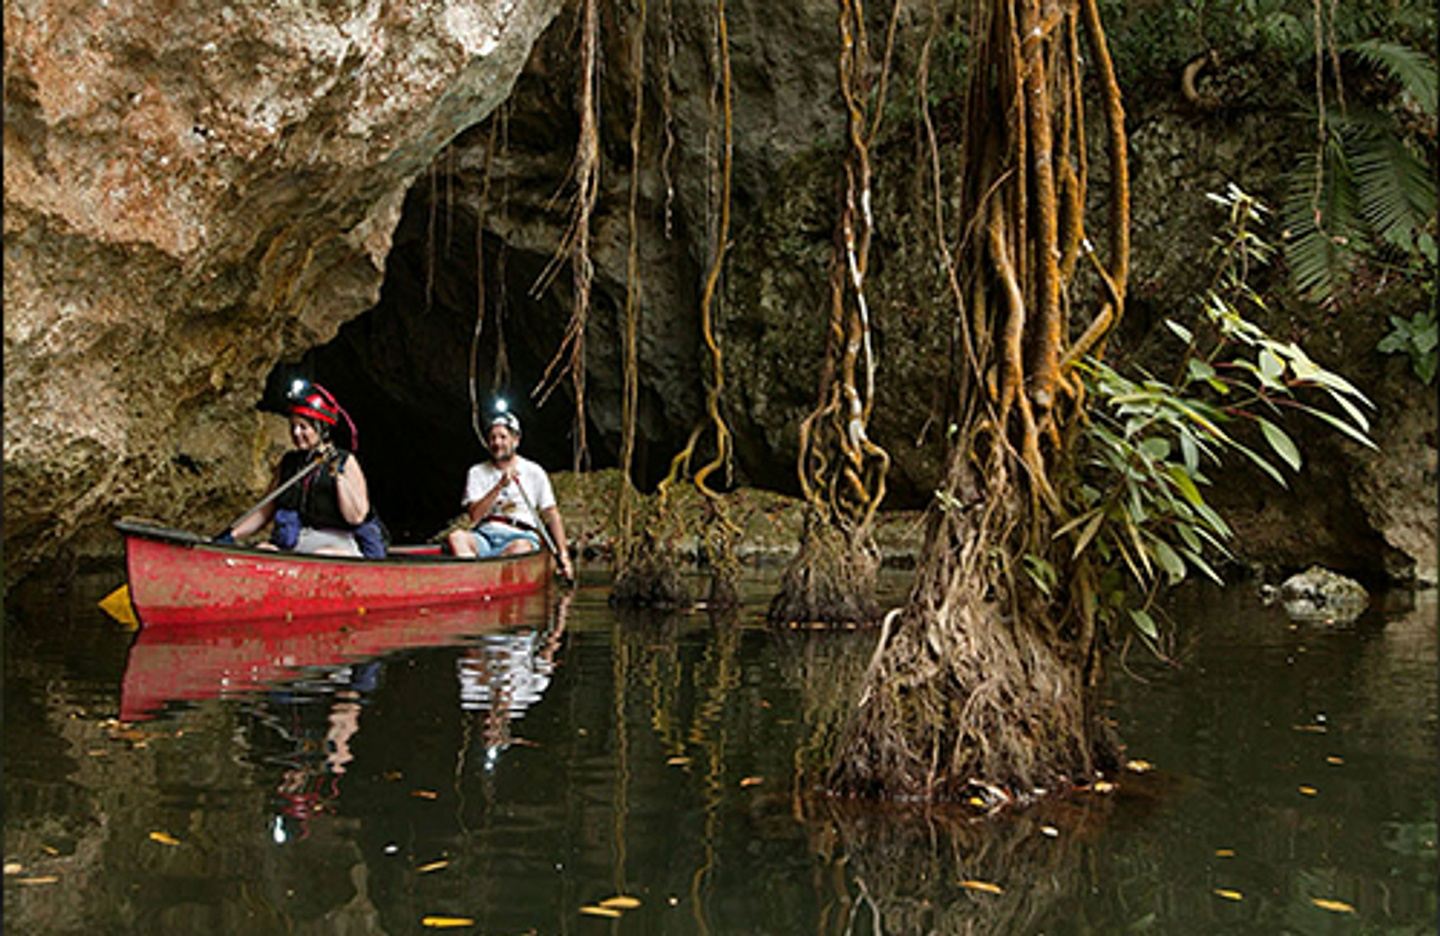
517,768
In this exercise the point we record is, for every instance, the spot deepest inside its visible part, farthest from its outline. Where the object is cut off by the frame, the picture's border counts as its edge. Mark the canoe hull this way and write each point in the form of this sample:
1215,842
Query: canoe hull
177,579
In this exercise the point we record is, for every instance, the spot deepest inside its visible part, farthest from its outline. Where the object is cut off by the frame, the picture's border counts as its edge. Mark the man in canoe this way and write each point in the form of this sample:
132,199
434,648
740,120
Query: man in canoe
501,499
329,512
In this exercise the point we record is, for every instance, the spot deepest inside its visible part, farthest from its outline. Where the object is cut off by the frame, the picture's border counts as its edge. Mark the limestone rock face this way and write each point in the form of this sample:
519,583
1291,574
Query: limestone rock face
193,192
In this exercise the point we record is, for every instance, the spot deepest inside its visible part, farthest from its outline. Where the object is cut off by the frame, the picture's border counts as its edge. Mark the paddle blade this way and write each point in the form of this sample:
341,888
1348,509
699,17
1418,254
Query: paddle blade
117,605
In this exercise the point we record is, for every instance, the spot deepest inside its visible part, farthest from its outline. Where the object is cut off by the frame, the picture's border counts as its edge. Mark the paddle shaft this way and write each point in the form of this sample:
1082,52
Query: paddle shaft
296,479
540,525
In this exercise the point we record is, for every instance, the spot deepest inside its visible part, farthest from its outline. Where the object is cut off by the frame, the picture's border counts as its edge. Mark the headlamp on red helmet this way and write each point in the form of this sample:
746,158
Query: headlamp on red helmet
307,400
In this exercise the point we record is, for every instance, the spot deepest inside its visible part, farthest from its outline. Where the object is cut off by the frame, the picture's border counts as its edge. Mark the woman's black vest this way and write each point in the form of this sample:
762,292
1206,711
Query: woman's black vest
315,498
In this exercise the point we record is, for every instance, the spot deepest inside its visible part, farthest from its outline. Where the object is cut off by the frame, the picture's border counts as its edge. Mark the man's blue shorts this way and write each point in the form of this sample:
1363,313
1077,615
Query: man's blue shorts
492,538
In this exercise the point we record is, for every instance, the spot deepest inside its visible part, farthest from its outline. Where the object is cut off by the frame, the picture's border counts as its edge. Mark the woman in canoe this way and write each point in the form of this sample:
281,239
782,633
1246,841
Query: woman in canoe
329,511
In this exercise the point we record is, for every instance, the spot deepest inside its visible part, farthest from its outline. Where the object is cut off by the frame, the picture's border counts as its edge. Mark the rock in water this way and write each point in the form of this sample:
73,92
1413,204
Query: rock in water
1318,594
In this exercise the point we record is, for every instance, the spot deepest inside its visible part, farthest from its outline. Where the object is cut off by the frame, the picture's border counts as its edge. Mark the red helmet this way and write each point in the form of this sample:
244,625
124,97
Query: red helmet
315,406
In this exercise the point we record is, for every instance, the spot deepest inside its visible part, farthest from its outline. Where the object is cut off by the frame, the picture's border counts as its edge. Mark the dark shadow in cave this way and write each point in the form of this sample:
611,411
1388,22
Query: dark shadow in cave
402,368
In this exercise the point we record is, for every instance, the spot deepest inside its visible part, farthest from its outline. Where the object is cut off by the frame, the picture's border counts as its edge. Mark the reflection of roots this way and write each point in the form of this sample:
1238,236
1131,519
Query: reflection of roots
830,579
908,866
965,701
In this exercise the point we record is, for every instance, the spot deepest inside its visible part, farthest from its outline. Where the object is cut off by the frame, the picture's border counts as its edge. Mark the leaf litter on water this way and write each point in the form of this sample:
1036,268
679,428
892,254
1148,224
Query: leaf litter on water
164,838
621,902
597,910
1229,894
446,922
984,886
1334,906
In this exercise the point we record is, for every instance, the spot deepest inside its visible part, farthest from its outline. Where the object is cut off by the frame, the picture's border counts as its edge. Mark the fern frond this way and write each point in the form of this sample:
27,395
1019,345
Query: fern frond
1412,68
1395,188
1320,231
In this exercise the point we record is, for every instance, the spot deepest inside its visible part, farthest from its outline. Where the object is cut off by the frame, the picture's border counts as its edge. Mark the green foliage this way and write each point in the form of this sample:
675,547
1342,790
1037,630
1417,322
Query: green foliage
1144,453
1415,337
1368,195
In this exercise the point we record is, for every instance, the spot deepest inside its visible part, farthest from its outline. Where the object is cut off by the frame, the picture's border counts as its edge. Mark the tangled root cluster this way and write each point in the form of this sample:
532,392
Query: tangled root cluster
831,579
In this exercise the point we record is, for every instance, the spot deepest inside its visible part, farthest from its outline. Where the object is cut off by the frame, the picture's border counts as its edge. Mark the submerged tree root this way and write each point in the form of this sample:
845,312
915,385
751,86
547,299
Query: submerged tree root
830,579
970,706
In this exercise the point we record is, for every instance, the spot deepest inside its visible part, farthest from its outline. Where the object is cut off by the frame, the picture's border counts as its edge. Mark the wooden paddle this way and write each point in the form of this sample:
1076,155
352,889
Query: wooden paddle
544,533
117,603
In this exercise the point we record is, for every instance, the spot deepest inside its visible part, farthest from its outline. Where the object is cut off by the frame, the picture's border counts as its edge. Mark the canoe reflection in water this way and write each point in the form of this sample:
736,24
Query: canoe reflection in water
305,683
505,673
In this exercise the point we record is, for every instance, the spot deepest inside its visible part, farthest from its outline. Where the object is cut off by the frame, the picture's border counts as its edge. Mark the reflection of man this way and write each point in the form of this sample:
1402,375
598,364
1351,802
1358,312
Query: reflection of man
501,497
507,673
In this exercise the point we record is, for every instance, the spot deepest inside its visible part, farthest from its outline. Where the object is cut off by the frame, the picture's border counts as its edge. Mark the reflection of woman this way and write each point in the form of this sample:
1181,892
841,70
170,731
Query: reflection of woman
329,511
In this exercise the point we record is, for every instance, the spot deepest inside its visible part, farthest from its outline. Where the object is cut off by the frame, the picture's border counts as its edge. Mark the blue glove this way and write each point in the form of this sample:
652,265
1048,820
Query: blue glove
223,538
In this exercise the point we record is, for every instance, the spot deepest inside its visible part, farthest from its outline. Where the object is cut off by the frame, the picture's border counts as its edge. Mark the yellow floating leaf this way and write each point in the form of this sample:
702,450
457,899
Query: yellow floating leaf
1139,766
1104,786
46,879
50,850
1332,759
1224,853
444,922
677,761
1229,894
1335,906
985,886
432,866
163,838
1308,791
976,802
1311,729
621,902
424,794
752,781
1049,831
393,775
594,910
13,867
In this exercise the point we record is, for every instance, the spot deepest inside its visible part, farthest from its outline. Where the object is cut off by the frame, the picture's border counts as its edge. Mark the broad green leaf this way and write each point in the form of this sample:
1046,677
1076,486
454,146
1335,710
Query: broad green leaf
1193,557
1185,484
1156,447
1271,368
1343,426
1185,334
1263,464
1280,442
1169,561
1145,623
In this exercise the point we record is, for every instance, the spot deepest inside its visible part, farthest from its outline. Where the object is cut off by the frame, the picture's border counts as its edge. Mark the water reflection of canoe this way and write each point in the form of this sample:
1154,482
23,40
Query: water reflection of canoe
175,664
180,579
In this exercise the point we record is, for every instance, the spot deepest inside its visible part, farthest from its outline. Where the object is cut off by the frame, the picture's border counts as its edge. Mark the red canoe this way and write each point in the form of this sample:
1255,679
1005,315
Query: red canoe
174,664
180,579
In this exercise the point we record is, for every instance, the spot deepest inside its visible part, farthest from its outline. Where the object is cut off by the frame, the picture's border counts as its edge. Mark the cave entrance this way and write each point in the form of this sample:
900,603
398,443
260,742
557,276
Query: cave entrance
402,368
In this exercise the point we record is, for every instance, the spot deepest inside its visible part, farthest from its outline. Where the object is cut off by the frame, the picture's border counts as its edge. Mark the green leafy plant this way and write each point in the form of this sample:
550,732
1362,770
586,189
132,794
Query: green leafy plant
1138,501
1367,194
1415,337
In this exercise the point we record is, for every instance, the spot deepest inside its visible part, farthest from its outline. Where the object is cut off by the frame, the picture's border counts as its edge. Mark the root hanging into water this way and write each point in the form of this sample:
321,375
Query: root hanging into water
989,679
831,579
841,469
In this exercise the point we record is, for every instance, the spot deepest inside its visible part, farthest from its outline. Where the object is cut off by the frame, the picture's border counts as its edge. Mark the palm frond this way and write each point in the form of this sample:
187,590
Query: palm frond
1412,68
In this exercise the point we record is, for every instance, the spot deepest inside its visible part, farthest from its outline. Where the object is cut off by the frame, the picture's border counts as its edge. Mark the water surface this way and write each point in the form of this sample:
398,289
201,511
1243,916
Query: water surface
518,764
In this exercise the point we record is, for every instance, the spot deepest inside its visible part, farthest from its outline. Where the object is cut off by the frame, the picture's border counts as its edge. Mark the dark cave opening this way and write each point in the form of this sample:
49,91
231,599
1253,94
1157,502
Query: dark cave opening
402,369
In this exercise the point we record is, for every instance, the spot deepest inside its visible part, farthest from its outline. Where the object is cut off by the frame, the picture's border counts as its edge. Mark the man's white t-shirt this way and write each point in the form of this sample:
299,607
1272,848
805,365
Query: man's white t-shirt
508,503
